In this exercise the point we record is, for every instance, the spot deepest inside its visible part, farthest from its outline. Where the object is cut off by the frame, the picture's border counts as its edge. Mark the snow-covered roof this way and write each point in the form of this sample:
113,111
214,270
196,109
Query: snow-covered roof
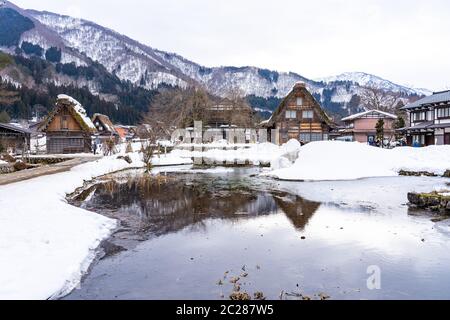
362,114
15,128
104,119
78,108
435,98
77,111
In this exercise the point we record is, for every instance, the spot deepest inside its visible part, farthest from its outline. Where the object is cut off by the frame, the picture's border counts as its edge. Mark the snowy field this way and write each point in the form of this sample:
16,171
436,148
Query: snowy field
46,245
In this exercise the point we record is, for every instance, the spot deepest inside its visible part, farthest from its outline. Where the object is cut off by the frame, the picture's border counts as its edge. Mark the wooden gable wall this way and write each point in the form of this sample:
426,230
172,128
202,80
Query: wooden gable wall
64,118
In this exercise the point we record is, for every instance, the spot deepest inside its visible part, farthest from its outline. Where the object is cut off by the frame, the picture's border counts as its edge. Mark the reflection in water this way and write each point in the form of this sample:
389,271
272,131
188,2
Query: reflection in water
166,204
298,210
188,231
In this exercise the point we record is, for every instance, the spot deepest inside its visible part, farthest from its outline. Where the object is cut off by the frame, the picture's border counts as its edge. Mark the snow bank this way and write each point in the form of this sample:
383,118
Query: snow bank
256,154
46,244
333,160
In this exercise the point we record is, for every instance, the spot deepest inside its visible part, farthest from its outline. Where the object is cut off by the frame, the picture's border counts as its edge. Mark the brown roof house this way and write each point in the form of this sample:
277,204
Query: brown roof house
300,117
126,133
105,128
68,128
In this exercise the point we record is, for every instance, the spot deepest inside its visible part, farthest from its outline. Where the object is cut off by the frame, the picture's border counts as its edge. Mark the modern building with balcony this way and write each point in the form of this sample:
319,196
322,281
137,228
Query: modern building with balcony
429,120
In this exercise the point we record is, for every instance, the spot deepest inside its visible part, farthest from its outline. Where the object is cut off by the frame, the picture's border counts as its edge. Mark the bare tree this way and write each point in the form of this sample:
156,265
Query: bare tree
109,147
373,98
239,112
180,108
151,133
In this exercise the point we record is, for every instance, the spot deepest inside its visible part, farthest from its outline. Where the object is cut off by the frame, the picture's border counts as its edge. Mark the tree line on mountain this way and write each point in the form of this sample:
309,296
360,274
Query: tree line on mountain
12,26
25,103
126,103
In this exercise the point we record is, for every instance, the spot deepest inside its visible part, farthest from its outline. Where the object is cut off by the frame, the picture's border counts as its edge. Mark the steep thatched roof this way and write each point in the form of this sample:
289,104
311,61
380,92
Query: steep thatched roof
316,105
105,121
75,109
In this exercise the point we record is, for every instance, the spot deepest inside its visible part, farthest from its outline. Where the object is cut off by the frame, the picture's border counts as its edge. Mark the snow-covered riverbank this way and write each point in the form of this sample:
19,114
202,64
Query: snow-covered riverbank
47,244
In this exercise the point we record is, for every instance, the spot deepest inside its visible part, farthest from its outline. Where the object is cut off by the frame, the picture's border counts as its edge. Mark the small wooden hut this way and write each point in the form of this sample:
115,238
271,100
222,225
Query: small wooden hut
105,128
14,139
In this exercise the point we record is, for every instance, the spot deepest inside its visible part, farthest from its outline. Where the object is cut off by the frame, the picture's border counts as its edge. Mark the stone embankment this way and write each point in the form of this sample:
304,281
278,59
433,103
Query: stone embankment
434,201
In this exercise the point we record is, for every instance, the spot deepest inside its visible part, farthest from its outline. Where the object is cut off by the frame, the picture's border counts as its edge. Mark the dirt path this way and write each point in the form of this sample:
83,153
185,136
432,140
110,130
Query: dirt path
43,171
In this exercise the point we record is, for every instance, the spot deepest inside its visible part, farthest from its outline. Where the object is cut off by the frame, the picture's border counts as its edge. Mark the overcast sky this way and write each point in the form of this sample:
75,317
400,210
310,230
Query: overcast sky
405,41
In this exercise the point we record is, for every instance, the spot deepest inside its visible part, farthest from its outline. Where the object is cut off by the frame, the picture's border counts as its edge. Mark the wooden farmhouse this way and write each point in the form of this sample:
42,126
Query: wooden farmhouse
300,117
14,139
68,128
226,114
105,128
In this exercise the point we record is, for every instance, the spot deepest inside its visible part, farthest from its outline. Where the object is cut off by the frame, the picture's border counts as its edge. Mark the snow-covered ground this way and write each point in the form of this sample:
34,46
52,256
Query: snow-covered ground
45,243
333,160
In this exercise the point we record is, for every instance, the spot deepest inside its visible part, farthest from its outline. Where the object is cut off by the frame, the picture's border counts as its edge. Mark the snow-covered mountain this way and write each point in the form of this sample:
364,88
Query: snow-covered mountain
122,56
369,80
83,42
81,34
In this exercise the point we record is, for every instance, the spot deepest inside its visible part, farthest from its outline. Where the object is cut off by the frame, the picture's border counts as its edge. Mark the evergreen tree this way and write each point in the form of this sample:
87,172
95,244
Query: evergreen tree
400,123
53,54
380,131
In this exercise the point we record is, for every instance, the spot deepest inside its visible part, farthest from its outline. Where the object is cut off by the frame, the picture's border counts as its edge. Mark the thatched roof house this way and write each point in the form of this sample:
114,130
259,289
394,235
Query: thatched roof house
105,127
68,128
299,116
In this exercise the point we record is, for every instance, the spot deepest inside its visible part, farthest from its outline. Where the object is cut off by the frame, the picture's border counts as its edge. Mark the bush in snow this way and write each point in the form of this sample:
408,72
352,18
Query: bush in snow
8,158
19,166
109,147
147,151
129,148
